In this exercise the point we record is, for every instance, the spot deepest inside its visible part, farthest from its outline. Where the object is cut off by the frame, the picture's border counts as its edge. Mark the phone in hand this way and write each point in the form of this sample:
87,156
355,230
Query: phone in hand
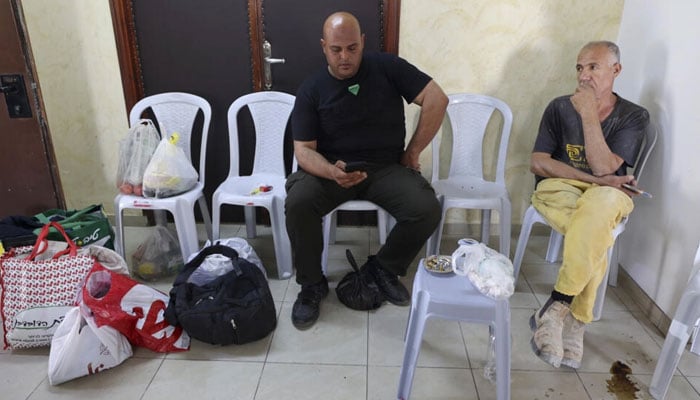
636,190
353,166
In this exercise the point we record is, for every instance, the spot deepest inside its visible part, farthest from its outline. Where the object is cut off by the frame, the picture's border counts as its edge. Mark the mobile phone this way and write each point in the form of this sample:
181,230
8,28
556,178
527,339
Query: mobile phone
636,190
353,166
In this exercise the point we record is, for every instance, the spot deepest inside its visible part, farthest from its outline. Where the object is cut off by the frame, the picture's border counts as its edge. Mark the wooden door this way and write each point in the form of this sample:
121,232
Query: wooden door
214,49
29,181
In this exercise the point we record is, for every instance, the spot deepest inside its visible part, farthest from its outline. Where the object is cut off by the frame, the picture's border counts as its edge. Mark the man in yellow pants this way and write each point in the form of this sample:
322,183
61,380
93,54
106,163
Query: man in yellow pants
585,143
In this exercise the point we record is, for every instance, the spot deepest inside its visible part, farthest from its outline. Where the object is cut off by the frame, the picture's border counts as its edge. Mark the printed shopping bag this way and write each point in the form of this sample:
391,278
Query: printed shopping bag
134,309
79,347
36,292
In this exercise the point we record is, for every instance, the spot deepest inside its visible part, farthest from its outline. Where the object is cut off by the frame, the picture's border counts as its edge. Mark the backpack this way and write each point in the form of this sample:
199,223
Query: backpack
236,307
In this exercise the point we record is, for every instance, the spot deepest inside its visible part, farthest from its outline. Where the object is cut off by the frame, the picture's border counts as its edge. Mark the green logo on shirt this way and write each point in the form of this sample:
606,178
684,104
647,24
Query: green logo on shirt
354,89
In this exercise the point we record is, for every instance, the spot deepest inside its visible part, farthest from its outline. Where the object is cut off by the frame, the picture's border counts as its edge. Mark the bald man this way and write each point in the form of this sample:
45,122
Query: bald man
585,143
352,110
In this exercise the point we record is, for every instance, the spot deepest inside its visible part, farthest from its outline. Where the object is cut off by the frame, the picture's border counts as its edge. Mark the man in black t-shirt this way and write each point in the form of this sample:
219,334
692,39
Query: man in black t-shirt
353,111
585,143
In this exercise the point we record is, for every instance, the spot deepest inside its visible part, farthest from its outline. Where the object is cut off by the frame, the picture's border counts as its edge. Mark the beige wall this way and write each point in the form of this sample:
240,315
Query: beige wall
522,52
76,59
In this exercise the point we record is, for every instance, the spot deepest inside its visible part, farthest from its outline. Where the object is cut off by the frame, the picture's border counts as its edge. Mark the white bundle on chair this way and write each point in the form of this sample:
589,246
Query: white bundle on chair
488,270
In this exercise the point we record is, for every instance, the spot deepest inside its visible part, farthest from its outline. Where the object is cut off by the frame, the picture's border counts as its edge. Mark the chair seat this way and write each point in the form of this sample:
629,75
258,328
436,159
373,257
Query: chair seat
453,297
470,189
237,190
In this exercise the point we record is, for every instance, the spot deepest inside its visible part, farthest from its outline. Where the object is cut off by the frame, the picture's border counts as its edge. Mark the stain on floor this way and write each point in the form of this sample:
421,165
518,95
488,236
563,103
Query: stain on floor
620,384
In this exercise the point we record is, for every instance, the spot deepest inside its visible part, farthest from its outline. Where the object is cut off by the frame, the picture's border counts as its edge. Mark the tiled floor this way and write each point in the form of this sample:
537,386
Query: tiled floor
357,355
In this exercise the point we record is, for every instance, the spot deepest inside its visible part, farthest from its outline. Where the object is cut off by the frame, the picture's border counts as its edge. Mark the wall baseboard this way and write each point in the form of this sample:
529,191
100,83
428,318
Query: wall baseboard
647,306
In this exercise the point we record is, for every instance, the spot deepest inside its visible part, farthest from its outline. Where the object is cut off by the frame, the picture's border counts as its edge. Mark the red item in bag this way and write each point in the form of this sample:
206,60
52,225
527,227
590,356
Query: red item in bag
134,309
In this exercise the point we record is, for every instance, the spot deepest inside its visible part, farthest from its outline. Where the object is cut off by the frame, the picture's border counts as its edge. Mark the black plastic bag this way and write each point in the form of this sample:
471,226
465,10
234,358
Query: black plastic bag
357,289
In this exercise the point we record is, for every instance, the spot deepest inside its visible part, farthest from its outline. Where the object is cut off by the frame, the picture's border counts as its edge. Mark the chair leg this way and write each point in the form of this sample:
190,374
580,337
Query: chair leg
327,229
554,247
677,337
206,217
525,230
280,238
186,228
119,245
414,336
613,266
504,242
216,220
249,212
485,226
382,223
503,350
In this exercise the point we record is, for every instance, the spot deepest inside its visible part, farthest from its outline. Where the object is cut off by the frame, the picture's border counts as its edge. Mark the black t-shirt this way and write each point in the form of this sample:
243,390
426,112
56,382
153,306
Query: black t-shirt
561,133
360,118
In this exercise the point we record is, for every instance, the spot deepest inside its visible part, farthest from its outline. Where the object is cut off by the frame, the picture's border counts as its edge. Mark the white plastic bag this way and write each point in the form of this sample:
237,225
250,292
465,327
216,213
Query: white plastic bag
242,247
80,348
169,172
135,151
488,270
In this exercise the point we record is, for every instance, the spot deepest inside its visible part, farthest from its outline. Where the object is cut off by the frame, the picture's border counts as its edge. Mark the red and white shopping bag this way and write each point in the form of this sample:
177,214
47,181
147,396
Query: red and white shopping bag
134,309
38,290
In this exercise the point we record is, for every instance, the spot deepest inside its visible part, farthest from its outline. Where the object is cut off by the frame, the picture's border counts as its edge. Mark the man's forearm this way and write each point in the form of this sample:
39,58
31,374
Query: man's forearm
433,105
312,162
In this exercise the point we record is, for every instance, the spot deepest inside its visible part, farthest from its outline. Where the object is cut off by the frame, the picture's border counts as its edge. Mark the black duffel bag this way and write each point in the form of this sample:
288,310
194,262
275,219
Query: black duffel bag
236,307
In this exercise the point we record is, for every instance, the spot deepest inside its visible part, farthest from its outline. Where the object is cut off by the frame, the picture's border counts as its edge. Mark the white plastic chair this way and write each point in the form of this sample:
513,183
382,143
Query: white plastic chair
532,216
175,112
329,224
270,112
466,186
453,297
685,321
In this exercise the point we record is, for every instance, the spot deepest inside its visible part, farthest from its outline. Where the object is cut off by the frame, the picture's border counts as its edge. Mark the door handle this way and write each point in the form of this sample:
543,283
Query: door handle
267,56
12,86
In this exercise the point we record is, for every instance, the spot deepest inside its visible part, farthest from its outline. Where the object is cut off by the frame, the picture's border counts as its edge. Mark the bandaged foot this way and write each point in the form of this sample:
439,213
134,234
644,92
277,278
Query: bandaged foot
572,341
548,326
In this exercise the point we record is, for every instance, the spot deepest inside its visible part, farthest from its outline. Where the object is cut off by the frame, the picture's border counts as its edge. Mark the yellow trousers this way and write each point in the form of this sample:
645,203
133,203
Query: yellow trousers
586,215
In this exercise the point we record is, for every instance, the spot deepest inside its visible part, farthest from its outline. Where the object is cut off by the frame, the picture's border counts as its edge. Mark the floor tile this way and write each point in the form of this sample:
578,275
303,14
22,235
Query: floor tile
185,379
536,385
312,382
428,384
338,337
124,382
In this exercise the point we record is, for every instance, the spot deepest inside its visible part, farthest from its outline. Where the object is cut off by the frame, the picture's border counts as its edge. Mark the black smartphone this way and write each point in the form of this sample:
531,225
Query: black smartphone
353,166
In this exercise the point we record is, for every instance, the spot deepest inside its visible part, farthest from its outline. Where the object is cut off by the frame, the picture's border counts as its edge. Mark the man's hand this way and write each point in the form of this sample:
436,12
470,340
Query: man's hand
409,160
584,100
347,179
617,181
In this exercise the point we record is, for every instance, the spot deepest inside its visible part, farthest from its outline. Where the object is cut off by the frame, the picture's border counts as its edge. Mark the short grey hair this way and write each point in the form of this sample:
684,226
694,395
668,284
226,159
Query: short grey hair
612,48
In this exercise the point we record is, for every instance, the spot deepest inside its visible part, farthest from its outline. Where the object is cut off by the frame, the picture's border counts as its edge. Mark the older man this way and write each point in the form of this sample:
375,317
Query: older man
585,143
352,110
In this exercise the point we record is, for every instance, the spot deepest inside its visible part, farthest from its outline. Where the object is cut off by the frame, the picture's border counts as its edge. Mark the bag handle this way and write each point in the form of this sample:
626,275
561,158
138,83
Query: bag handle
73,218
72,248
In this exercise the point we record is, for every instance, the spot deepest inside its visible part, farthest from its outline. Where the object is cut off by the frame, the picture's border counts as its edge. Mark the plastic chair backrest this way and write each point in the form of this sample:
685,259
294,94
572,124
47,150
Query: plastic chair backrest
270,111
469,115
176,112
650,137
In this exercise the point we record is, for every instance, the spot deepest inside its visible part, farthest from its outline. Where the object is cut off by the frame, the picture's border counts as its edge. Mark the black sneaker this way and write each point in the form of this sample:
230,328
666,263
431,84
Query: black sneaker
394,291
306,308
